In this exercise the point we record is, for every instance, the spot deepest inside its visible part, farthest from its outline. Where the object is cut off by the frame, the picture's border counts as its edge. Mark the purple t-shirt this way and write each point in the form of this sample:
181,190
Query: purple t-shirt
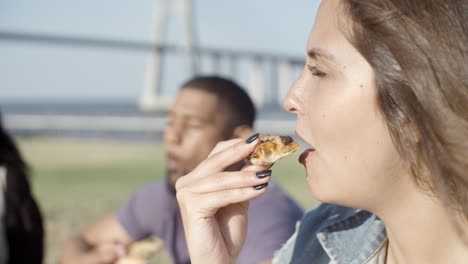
153,211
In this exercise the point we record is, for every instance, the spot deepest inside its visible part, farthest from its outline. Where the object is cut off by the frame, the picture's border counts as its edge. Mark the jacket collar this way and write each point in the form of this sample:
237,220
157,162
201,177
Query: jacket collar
353,237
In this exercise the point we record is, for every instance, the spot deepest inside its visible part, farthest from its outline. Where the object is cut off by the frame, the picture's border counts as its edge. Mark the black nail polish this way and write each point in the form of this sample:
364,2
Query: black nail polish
261,186
263,174
252,138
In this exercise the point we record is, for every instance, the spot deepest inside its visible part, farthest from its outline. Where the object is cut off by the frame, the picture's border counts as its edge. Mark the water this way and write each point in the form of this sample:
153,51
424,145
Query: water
113,108
104,109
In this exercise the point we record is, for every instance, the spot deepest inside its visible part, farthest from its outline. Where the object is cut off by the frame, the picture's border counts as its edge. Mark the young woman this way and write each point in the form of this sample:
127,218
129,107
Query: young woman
383,106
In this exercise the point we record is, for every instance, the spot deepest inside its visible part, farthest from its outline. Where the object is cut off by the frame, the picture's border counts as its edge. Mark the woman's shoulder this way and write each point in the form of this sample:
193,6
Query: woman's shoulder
323,229
313,220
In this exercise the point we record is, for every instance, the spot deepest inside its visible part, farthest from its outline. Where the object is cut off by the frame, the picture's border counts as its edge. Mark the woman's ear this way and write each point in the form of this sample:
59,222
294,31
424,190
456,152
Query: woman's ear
242,131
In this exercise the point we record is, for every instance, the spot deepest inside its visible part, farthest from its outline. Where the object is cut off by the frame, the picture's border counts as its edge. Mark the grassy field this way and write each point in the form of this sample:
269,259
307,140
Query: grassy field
78,181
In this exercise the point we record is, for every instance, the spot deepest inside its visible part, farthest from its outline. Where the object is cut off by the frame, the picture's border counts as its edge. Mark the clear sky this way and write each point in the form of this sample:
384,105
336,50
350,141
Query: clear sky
42,72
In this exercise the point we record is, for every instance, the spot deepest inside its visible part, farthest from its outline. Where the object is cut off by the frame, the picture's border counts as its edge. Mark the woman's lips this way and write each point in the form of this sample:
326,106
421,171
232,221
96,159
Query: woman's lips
304,155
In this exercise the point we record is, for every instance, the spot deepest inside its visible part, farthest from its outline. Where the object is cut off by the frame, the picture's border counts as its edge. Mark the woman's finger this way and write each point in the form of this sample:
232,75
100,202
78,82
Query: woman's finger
222,156
230,180
250,167
235,152
222,145
209,203
224,198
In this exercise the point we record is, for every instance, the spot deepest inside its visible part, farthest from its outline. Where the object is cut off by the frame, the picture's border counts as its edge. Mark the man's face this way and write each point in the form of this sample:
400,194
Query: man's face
195,126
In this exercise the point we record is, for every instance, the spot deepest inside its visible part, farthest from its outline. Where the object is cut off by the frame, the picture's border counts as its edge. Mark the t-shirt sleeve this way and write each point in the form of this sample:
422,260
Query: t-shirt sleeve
272,221
137,215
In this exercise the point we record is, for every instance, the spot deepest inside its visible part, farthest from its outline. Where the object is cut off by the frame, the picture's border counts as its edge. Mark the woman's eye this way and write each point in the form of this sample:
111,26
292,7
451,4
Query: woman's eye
315,71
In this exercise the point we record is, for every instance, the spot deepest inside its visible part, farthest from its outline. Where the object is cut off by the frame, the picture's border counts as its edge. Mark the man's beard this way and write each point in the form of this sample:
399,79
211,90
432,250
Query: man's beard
172,177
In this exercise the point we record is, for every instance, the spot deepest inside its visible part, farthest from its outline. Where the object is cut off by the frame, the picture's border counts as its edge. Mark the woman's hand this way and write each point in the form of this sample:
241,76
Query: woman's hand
214,203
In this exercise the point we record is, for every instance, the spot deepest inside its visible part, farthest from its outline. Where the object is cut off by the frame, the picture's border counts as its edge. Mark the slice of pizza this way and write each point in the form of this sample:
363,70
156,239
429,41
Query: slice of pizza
269,149
139,252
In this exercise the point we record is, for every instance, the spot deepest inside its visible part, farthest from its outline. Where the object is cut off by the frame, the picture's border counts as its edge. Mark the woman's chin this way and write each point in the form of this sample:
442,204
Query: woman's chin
320,194
324,194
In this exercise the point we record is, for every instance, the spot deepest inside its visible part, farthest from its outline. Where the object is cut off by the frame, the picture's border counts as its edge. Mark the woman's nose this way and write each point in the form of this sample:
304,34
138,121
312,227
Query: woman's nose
291,102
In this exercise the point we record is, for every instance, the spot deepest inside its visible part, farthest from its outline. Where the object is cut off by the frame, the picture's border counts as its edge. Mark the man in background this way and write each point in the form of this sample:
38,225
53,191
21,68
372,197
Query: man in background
205,111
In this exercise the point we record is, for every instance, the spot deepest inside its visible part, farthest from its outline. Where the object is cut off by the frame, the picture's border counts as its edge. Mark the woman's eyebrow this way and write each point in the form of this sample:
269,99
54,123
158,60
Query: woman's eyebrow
317,53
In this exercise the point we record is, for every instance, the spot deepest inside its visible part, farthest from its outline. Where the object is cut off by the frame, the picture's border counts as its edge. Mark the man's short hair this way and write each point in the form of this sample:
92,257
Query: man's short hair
237,104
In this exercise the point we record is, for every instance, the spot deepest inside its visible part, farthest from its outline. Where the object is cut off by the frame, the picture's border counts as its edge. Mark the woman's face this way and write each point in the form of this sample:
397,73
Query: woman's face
351,160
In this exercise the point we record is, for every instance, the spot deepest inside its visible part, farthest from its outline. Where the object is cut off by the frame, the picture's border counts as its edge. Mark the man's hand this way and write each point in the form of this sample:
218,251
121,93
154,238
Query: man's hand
106,253
97,244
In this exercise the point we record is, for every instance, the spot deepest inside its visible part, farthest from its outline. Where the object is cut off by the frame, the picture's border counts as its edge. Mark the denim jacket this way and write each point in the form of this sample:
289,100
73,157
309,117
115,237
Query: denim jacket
334,234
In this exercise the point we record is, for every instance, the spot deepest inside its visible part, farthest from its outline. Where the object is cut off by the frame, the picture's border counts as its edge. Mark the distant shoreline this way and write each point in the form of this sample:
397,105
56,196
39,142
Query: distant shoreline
113,120
108,108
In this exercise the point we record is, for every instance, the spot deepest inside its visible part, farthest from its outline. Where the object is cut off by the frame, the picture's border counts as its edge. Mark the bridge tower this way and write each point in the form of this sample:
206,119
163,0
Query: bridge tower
151,97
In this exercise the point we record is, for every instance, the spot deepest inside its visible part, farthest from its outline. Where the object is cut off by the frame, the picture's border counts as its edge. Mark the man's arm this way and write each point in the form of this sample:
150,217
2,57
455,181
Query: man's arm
102,243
